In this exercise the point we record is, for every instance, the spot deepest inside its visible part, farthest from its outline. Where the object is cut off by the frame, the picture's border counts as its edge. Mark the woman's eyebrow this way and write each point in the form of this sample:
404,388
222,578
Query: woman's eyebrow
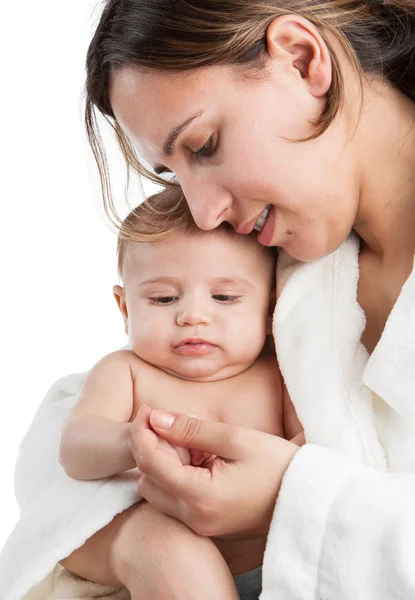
168,148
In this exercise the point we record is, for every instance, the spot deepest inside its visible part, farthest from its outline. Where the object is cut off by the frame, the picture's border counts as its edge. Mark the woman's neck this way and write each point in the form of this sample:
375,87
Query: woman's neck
386,155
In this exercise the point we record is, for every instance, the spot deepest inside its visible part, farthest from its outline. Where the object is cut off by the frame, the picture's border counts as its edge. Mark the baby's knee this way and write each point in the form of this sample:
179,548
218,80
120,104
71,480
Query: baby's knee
157,551
151,538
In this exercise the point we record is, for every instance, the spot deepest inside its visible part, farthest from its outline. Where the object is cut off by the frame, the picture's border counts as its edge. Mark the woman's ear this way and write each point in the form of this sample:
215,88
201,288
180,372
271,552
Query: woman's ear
297,41
119,295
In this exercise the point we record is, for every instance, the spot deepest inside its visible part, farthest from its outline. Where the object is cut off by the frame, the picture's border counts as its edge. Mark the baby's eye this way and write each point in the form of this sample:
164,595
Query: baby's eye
163,300
225,298
207,150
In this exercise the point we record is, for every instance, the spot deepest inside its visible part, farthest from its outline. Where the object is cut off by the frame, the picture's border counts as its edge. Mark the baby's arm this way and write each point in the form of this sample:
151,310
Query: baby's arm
95,438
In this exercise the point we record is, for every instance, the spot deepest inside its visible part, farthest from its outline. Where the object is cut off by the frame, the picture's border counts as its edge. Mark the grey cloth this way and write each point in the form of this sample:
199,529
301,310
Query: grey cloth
249,584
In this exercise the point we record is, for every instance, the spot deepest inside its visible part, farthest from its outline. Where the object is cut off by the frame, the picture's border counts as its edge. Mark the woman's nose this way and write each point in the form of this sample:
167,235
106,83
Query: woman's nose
209,204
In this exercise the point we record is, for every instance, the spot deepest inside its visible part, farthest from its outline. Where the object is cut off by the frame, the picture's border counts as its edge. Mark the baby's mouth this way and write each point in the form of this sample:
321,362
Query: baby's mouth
194,347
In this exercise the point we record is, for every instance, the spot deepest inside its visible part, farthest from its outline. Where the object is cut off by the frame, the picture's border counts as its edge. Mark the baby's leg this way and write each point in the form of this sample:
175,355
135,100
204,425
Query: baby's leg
155,557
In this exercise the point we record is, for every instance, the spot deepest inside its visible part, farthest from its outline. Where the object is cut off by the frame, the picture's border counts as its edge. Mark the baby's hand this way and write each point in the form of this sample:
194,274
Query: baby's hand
196,458
182,454
201,459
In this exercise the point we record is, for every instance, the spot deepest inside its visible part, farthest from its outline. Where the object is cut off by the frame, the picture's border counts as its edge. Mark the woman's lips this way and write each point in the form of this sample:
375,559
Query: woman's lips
194,348
266,235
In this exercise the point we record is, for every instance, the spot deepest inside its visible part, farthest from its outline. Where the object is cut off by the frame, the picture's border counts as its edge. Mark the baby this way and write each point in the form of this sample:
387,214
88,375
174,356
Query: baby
197,309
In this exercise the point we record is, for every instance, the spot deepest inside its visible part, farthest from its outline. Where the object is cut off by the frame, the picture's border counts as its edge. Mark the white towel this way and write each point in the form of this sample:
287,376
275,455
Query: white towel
62,584
58,513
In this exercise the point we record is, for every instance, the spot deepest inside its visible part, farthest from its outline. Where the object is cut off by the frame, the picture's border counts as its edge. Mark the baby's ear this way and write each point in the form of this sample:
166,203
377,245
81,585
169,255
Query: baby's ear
119,295
272,301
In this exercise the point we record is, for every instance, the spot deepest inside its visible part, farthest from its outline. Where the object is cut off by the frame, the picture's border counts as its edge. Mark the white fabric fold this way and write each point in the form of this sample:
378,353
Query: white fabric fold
58,513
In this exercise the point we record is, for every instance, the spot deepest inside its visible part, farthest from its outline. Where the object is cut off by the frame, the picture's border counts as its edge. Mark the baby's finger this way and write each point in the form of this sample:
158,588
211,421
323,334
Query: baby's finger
198,456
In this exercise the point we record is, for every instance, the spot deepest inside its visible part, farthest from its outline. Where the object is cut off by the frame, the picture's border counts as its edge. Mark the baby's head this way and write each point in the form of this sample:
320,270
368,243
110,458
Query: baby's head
196,304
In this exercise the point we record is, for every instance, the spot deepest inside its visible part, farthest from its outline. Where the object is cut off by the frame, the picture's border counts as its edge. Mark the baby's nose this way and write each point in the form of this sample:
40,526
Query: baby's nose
193,314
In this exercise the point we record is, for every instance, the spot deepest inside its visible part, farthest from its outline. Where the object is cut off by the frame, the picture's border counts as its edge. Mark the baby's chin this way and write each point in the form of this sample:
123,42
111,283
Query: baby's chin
205,374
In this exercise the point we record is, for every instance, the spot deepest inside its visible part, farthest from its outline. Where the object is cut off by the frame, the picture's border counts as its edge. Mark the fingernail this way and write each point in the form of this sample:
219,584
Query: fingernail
161,420
194,416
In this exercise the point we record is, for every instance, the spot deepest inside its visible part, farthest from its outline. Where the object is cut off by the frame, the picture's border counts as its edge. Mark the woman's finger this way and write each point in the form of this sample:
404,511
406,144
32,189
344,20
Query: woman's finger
204,498
221,439
163,468
160,499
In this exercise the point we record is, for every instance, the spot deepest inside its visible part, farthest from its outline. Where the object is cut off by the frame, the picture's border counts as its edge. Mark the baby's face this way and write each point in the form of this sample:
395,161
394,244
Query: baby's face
197,307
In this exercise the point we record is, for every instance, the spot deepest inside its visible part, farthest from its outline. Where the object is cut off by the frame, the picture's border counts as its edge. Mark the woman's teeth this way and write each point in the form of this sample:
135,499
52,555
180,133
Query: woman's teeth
262,218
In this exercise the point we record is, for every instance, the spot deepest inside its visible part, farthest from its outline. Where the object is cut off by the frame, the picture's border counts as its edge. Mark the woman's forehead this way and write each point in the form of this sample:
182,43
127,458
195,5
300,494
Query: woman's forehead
150,106
147,94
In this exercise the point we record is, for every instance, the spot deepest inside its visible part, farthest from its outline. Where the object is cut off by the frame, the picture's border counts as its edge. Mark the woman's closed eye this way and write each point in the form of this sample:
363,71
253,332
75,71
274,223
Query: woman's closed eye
207,150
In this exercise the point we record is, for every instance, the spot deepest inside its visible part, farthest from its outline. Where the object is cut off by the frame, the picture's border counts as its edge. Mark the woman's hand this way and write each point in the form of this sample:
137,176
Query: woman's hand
234,497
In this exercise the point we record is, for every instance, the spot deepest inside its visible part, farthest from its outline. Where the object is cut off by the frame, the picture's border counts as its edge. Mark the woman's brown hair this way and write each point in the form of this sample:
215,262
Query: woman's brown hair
378,37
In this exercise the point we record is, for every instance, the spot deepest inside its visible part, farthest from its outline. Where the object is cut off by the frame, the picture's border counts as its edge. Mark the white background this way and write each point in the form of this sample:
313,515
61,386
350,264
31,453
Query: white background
57,313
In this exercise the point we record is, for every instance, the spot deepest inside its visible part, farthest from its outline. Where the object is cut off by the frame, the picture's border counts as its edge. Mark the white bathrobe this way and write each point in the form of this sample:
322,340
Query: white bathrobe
344,526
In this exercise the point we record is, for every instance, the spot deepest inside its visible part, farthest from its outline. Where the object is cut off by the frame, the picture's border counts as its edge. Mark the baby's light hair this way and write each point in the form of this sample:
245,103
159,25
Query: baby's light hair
159,216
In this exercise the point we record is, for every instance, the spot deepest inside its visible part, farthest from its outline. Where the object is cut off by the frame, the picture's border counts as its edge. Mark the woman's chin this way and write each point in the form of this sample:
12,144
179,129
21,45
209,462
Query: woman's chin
308,251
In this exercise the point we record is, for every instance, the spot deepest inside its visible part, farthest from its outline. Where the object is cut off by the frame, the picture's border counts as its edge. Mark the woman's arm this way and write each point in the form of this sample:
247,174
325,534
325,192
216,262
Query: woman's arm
338,530
341,531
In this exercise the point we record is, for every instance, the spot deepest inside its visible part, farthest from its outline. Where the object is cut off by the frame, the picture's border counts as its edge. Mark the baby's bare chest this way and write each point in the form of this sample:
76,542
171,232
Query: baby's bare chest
251,399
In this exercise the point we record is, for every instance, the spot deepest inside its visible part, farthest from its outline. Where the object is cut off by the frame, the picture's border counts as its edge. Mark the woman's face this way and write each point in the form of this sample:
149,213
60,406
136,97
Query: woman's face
227,139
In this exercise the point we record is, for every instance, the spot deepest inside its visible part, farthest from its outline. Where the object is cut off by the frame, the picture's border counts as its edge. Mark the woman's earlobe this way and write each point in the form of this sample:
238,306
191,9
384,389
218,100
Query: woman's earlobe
294,38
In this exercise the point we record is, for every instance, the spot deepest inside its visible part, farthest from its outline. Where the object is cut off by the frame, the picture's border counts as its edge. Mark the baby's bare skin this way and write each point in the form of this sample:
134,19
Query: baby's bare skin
231,401
252,399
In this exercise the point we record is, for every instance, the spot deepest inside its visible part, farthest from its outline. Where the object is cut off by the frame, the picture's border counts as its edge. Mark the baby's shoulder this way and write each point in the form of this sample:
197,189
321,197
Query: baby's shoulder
266,376
267,364
141,371
118,363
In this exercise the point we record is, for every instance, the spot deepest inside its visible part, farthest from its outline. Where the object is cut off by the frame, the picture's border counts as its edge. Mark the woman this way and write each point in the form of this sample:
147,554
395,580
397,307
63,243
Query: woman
294,117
